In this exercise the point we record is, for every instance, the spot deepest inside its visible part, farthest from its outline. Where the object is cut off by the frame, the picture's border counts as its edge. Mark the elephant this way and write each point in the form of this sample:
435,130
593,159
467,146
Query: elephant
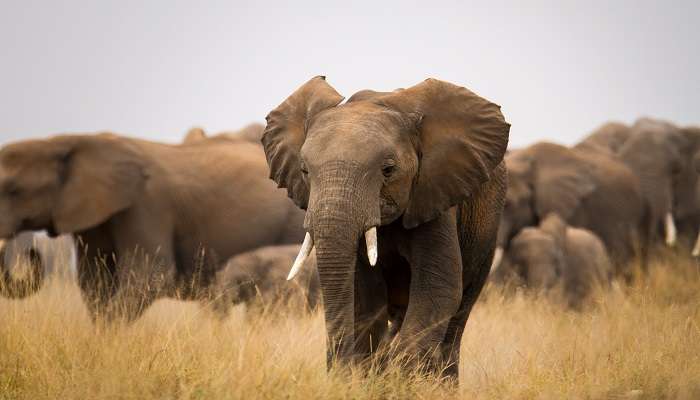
554,254
608,137
149,219
251,132
585,187
686,189
403,192
259,277
655,152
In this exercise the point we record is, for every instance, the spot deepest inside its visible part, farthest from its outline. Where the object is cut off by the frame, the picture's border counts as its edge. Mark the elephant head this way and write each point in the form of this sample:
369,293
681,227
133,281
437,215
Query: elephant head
66,184
399,158
537,254
686,191
14,288
655,151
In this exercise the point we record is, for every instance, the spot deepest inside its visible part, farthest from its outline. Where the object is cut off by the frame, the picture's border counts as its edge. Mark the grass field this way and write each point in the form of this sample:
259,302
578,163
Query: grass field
638,341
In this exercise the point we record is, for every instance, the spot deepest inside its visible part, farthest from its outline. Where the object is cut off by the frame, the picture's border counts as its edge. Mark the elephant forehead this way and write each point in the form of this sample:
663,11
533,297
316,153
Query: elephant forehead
357,118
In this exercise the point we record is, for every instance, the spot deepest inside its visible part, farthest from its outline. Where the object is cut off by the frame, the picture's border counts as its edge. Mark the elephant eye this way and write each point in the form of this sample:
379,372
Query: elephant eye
389,168
303,168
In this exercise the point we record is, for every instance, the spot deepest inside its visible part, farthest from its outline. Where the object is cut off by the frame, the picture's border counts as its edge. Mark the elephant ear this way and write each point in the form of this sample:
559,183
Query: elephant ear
562,188
286,131
101,178
462,139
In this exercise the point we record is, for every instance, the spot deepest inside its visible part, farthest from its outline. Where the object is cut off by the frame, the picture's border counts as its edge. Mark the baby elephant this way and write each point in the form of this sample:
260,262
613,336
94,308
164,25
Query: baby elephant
259,277
554,254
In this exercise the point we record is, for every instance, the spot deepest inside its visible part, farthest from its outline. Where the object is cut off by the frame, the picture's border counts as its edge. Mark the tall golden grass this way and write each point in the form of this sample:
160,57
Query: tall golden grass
634,341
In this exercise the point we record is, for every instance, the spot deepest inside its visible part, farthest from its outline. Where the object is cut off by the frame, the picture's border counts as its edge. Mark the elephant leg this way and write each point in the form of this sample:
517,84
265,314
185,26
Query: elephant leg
435,289
96,272
145,267
143,278
450,348
478,238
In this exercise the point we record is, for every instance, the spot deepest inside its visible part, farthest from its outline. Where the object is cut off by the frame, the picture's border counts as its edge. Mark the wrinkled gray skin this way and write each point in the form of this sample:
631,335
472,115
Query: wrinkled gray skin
251,133
586,187
259,277
424,166
554,254
150,220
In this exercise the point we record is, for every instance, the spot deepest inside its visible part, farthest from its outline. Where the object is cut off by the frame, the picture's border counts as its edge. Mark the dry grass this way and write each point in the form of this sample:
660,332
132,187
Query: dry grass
641,341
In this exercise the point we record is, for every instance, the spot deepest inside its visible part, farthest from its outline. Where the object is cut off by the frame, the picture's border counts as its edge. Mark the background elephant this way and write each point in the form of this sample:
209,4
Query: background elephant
150,219
556,255
609,138
585,187
686,190
403,192
655,152
260,277
251,132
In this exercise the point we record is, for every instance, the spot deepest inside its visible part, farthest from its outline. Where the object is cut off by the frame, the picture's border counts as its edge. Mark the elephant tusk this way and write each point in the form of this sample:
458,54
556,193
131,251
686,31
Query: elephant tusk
301,257
670,230
497,258
371,241
696,248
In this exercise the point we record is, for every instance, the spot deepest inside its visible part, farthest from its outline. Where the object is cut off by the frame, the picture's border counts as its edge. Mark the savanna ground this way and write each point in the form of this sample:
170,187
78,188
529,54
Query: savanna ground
635,341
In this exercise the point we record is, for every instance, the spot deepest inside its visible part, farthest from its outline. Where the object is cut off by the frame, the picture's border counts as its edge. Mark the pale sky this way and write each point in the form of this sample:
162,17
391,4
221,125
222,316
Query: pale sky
153,69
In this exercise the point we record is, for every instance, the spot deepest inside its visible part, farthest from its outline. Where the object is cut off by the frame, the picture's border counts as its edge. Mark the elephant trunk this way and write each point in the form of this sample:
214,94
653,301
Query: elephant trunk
342,214
13,288
336,256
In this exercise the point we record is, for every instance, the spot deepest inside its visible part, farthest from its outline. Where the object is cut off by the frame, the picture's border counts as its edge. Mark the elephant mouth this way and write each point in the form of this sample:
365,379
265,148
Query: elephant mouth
308,245
389,210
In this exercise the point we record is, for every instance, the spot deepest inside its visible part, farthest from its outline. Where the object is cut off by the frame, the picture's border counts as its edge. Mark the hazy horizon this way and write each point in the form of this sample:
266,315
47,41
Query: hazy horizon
154,70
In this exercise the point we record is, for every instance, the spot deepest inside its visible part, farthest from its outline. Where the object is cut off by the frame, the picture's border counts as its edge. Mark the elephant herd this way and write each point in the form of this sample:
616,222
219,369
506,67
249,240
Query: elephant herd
620,192
398,199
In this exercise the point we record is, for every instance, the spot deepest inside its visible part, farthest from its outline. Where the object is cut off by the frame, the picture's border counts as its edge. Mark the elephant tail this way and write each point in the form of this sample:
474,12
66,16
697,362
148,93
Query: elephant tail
14,288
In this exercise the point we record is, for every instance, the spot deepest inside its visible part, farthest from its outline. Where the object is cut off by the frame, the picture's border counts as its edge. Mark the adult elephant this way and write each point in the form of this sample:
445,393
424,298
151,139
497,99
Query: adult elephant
585,187
403,192
150,219
686,189
609,137
251,132
658,152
